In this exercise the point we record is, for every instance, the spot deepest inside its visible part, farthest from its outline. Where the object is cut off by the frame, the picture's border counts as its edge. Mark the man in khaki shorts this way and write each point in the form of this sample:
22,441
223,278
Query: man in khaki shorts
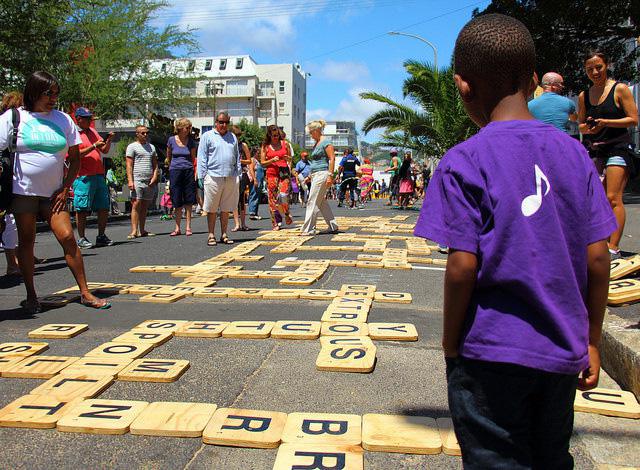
142,176
218,172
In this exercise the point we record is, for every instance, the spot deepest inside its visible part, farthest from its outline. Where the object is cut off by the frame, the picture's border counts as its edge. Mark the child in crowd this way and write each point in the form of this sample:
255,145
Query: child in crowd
166,204
522,209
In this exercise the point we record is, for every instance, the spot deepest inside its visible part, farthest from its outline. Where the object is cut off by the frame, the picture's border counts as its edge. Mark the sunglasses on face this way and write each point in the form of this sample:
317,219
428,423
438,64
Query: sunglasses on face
51,93
143,133
223,122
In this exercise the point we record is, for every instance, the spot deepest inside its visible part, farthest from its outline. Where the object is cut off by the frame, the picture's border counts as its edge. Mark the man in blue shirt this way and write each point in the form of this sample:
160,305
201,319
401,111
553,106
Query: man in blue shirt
303,170
348,172
550,107
218,171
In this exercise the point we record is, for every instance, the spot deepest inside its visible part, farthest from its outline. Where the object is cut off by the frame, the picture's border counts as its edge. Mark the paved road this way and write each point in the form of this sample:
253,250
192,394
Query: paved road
276,375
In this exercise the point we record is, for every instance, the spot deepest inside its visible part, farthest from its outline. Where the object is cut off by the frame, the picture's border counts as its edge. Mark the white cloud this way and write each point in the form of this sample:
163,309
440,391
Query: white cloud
320,113
348,71
354,108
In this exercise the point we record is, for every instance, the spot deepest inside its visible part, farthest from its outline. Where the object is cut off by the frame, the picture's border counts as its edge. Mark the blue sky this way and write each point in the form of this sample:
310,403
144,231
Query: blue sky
341,43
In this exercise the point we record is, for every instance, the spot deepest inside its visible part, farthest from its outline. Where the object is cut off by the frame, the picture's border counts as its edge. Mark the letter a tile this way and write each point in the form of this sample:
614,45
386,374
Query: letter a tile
609,402
300,456
245,428
402,434
173,419
35,411
323,428
154,370
101,416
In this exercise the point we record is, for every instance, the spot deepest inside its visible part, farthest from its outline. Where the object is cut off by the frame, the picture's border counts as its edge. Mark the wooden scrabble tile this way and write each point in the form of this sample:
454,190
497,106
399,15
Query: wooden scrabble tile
126,350
624,267
623,287
439,262
154,370
58,330
202,329
370,264
346,354
157,326
369,257
296,329
281,294
22,349
213,292
180,289
58,300
393,332
9,361
607,402
402,434
191,271
163,297
332,315
245,428
248,329
142,269
352,302
395,297
117,288
273,274
35,411
168,269
246,258
67,387
247,293
205,282
39,367
388,264
298,280
357,289
344,329
93,286
96,366
243,274
144,289
343,263
155,338
419,260
173,419
101,416
318,294
323,428
448,437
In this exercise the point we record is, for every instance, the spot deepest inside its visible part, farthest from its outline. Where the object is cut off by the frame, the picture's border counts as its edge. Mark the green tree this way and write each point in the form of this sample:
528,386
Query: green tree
252,134
119,159
432,121
564,31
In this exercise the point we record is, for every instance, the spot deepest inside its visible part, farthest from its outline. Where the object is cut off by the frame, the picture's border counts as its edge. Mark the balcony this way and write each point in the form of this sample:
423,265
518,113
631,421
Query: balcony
265,113
266,93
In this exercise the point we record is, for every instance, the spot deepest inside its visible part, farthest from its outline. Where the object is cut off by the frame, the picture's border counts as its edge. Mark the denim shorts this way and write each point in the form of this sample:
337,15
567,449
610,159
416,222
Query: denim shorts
90,193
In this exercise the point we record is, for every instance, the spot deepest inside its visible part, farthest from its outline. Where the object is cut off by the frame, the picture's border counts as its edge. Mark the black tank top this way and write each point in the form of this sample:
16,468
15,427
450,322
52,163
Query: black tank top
606,110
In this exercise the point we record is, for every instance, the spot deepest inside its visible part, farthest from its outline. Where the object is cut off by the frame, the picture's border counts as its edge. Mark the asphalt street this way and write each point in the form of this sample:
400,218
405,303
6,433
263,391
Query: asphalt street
262,374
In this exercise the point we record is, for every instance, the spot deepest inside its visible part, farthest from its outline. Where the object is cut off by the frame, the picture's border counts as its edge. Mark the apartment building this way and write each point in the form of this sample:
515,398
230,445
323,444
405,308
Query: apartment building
342,134
263,94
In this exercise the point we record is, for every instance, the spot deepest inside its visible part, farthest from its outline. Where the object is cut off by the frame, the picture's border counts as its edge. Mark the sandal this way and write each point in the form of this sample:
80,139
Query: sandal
275,227
287,219
235,229
211,241
188,232
131,236
175,233
224,239
147,234
245,228
99,304
31,306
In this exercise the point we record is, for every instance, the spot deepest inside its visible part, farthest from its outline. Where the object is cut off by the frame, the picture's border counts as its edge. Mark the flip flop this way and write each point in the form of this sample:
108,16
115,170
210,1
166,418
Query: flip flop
235,229
131,237
188,232
98,305
32,306
147,234
211,241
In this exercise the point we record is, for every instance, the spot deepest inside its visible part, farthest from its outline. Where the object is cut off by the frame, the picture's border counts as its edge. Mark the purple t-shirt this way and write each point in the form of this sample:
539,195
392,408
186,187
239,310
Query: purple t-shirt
180,156
525,198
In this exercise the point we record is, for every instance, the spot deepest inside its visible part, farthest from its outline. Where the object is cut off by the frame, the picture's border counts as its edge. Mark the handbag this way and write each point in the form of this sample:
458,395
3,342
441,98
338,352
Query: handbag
6,164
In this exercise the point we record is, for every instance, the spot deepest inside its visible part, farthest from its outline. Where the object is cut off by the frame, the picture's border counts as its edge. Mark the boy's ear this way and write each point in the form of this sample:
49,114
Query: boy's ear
464,88
533,84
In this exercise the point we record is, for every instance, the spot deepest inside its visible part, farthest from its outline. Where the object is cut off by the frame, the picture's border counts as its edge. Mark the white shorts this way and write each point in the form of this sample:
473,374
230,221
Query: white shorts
220,192
10,234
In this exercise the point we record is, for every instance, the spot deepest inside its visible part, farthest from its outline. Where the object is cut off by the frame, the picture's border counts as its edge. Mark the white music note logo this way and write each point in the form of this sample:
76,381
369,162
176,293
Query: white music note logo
532,203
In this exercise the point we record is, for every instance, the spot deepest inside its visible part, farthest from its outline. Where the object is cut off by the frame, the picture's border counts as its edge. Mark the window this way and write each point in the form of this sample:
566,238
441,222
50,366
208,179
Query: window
191,66
281,87
265,89
239,61
281,106
223,64
208,64
238,87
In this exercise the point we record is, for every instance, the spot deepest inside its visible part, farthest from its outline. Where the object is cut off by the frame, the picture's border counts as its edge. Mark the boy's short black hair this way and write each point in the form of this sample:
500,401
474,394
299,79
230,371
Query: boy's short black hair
498,50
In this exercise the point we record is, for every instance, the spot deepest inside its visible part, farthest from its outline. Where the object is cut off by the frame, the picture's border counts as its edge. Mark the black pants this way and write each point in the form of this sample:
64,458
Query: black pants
349,184
511,417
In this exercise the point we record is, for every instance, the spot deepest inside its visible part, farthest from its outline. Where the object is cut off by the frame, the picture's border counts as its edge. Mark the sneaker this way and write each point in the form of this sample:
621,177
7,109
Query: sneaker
339,204
84,243
443,249
103,240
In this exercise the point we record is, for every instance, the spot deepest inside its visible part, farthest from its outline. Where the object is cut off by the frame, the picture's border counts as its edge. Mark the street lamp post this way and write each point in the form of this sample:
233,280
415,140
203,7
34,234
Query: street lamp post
419,38
216,88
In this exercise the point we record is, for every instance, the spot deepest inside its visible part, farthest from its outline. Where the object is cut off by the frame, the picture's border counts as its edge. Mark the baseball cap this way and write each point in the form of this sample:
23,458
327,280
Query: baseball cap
83,112
393,151
304,154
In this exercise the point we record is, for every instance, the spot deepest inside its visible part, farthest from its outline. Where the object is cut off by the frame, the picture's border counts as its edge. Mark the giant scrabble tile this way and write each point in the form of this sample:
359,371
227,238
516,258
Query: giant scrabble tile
332,315
624,266
450,444
248,329
155,338
161,325
202,329
296,329
96,366
127,350
154,370
58,330
344,329
395,297
144,289
101,416
294,456
318,294
58,300
393,332
346,354
245,428
21,349
281,294
213,292
163,297
357,290
403,434
181,289
8,362
39,367
173,419
607,402
624,291
298,280
247,293
35,411
323,428
70,387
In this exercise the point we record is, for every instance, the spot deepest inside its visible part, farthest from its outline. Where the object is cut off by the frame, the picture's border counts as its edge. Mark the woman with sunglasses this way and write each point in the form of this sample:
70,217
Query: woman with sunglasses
181,155
275,157
40,187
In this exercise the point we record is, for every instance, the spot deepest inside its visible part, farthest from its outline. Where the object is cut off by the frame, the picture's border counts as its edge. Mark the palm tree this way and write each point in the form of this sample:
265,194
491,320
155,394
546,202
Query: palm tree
432,122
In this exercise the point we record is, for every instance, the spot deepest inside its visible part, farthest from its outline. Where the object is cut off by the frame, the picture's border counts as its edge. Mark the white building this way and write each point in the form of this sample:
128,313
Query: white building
262,94
342,135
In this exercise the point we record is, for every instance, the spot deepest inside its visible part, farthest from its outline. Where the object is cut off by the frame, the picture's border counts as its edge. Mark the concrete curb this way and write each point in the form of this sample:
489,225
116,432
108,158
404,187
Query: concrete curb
93,220
620,352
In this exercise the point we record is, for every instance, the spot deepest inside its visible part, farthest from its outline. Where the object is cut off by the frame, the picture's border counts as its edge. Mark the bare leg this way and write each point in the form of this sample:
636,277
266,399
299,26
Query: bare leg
12,261
211,222
224,222
103,216
81,222
134,217
615,182
187,210
142,214
236,220
243,217
178,217
26,224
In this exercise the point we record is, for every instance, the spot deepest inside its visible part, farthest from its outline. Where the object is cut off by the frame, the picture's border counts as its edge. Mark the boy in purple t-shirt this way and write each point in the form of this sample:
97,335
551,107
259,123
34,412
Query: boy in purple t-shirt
526,219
